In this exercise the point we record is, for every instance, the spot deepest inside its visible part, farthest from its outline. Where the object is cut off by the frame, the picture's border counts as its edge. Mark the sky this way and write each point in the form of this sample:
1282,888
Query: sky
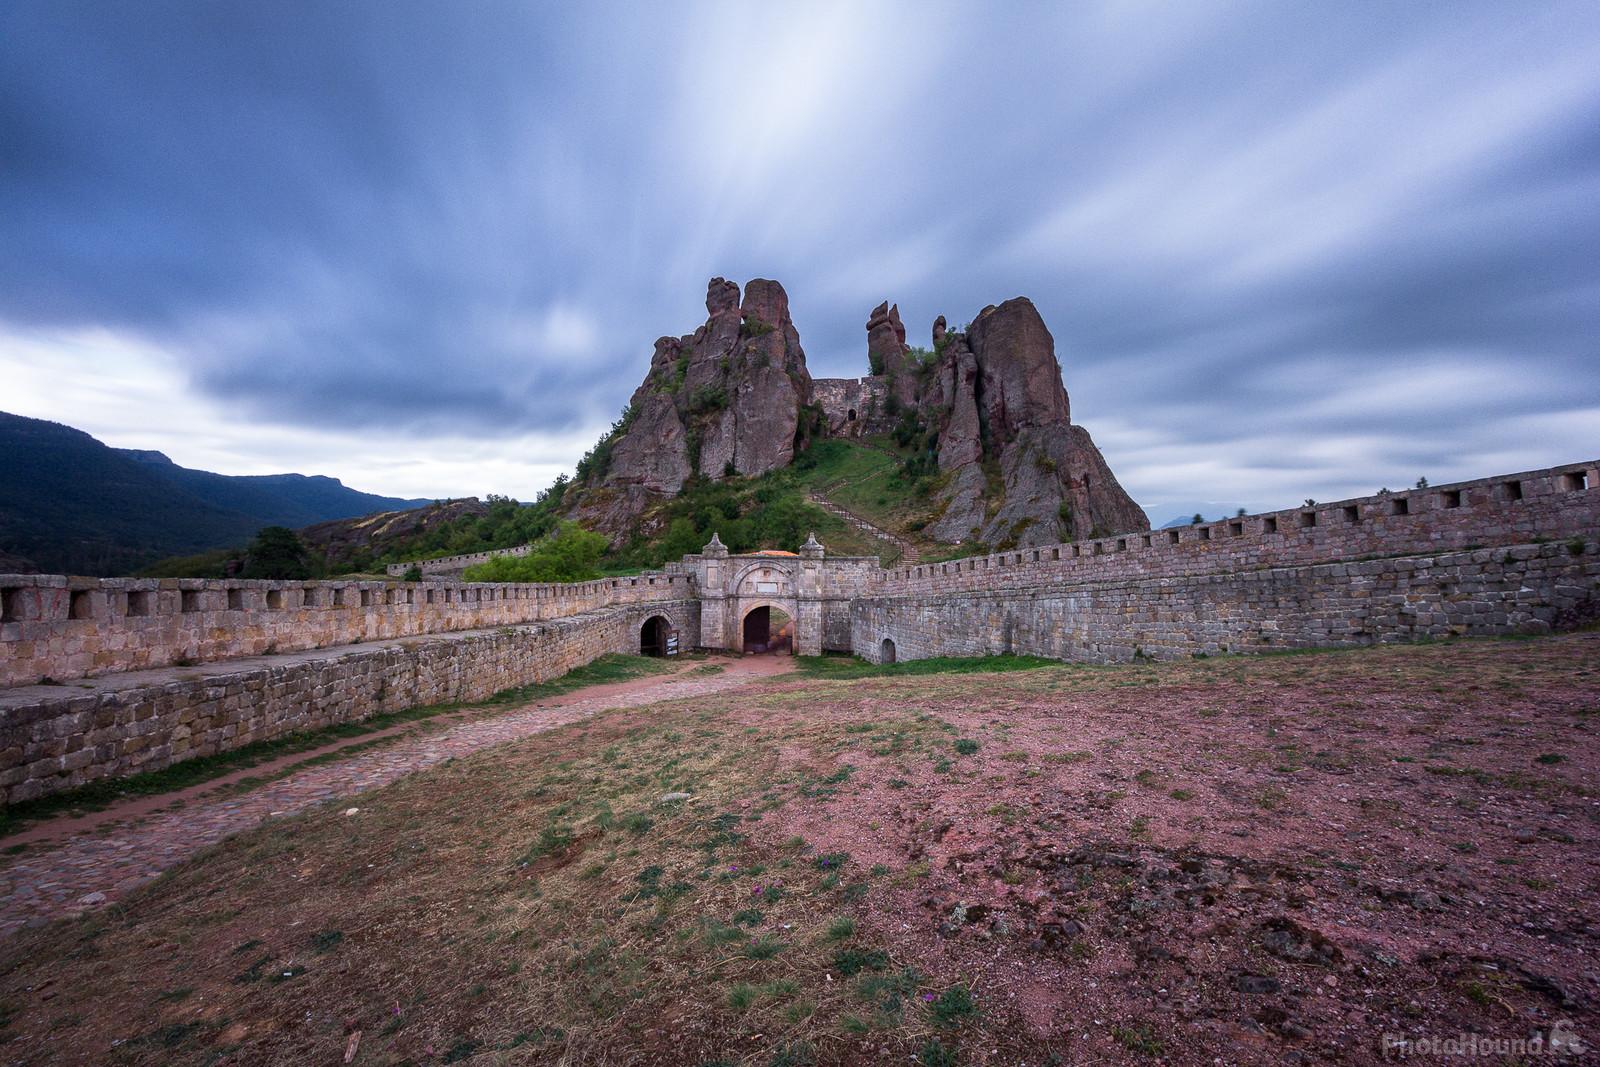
1286,250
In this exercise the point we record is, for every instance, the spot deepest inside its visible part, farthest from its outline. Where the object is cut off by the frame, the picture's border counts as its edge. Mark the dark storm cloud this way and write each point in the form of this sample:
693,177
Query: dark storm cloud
1284,249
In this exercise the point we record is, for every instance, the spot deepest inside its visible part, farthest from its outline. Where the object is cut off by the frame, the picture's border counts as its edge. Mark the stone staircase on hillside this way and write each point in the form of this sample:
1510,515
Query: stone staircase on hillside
908,551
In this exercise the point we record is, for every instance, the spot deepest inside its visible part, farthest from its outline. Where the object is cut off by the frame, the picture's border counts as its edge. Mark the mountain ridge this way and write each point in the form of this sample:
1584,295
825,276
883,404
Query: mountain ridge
69,503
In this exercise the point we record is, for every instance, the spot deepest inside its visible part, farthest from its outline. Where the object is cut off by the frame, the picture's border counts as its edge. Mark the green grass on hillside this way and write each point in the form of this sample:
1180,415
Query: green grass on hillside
870,481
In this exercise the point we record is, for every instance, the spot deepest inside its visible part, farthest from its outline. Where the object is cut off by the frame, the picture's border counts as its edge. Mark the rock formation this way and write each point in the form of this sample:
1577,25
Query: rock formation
727,399
735,398
996,400
888,356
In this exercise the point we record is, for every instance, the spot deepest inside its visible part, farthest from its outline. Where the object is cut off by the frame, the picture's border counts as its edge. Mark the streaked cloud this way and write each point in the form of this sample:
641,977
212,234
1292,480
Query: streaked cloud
1286,250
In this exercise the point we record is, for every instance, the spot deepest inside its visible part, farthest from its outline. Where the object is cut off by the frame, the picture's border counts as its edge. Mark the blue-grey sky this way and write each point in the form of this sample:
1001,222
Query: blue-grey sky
1287,250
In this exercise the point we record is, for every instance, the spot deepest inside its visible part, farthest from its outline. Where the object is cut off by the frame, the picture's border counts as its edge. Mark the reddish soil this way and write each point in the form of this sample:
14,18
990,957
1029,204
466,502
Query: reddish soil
1235,861
1283,859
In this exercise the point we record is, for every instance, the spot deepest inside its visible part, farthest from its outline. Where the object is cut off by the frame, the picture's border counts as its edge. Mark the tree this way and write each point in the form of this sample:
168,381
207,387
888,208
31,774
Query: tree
276,553
568,554
785,522
681,539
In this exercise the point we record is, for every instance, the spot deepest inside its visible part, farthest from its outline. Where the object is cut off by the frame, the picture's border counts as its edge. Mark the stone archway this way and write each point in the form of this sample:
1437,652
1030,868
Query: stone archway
763,589
886,651
653,636
766,628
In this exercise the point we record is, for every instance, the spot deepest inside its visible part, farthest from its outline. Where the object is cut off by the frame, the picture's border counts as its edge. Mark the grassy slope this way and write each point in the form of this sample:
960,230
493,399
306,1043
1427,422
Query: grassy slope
542,900
864,480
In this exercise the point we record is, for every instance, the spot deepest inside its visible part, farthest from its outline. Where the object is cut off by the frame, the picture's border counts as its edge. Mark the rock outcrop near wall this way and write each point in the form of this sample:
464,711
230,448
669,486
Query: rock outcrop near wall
990,401
726,399
997,395
735,397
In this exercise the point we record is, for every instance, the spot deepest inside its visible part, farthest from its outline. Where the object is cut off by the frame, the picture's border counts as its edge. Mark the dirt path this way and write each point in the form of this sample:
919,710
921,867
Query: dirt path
79,864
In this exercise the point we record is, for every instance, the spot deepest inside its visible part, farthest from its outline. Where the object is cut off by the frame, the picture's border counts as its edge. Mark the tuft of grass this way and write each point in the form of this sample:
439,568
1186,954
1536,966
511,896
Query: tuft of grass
326,940
954,1006
764,947
1139,1038
841,929
852,961
966,746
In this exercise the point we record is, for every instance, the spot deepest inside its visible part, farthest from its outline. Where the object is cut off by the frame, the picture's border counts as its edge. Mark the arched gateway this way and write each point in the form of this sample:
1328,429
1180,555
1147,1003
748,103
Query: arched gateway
653,636
777,601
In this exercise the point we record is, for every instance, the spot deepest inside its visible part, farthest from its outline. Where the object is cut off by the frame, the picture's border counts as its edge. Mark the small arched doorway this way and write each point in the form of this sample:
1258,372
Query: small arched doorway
850,416
886,651
653,636
767,629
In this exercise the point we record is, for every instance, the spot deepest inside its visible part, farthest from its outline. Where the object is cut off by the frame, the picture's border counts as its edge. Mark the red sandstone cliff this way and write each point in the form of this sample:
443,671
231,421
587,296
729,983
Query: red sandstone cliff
996,396
735,398
724,400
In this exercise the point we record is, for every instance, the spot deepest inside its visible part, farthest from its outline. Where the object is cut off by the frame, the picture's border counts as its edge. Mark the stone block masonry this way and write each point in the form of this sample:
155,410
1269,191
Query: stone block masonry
1558,503
1510,554
54,738
1525,589
1502,555
63,628
452,566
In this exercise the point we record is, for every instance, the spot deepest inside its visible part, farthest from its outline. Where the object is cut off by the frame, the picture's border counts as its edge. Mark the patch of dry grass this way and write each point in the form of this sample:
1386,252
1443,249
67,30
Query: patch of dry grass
878,868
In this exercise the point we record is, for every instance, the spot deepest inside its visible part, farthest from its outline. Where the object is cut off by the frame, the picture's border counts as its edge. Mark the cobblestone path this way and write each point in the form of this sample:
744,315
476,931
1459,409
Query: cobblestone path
95,868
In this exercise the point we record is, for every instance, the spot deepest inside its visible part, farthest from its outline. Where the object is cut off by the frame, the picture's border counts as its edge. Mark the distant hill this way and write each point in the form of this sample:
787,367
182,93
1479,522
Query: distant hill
70,504
1188,520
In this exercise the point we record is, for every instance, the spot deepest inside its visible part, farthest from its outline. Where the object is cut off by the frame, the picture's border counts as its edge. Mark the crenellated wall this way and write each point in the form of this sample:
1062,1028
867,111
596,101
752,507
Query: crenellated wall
1524,589
1507,510
452,566
181,668
57,737
1511,554
63,628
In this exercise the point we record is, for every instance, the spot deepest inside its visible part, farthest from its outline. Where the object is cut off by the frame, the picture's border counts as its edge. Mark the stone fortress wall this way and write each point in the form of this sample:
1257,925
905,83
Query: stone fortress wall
57,737
157,671
1510,554
451,566
63,628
